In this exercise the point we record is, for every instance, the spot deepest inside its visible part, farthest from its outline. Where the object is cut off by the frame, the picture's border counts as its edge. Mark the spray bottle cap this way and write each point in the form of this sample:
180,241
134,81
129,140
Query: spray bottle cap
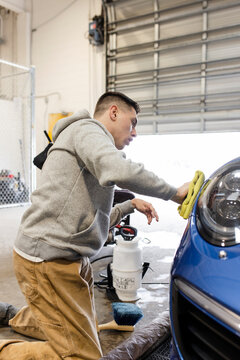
128,232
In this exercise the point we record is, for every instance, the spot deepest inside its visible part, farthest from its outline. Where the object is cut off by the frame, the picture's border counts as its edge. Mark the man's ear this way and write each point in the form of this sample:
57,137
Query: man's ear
113,110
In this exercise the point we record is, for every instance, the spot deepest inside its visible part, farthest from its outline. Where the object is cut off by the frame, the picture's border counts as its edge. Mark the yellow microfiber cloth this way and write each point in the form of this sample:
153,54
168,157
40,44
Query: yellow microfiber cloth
186,207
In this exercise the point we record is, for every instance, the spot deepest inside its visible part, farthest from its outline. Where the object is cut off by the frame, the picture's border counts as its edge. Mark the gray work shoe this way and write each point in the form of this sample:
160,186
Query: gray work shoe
7,312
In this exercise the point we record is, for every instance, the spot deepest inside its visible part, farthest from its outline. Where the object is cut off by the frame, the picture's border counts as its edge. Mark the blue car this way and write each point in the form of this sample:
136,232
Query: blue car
205,276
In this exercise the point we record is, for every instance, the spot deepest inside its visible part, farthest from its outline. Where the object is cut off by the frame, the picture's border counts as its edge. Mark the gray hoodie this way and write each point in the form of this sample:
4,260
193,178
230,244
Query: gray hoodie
71,212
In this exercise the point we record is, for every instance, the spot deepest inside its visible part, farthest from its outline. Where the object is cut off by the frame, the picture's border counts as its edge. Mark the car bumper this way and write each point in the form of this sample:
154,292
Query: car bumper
201,327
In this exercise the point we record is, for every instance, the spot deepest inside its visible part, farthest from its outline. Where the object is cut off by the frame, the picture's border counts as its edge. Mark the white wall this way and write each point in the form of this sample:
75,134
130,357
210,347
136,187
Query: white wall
69,71
23,39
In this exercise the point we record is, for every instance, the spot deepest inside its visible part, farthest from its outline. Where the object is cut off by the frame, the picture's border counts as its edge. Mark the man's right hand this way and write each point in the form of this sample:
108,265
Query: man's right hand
181,193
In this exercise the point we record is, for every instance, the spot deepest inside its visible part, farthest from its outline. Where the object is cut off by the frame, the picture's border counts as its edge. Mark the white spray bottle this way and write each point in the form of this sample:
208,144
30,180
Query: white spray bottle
127,268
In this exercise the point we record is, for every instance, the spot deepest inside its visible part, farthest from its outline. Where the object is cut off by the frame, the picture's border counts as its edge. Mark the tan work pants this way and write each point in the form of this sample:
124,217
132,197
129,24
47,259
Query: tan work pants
60,311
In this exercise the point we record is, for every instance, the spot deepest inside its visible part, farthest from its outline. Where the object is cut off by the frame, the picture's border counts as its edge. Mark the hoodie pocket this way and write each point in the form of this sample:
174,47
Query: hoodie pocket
95,235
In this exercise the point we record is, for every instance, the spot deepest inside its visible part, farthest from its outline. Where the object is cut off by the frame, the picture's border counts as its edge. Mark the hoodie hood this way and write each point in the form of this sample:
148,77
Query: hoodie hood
65,122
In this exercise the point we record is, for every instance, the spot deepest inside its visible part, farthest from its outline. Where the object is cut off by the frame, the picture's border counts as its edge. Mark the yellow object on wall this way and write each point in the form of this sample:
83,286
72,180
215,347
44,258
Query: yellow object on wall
53,118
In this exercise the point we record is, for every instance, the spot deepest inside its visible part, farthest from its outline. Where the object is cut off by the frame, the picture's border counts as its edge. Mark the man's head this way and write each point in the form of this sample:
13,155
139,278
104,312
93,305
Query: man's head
118,113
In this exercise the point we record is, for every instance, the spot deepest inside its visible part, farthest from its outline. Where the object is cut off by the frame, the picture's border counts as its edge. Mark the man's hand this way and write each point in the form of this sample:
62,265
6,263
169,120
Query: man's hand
145,208
181,193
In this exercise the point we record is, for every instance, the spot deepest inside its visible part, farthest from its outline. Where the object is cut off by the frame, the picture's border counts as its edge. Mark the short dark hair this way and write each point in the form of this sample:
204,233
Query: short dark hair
113,96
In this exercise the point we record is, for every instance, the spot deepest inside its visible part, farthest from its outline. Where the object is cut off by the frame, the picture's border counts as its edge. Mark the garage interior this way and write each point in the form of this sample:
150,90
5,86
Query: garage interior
179,59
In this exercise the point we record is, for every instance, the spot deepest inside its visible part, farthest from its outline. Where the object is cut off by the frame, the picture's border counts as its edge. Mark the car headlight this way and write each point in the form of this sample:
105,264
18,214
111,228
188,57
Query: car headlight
218,208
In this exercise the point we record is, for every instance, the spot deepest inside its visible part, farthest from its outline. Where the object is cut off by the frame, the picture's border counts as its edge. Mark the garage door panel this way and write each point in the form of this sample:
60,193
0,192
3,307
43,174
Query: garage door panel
127,9
137,37
223,18
179,89
131,65
185,56
224,49
181,27
145,94
214,85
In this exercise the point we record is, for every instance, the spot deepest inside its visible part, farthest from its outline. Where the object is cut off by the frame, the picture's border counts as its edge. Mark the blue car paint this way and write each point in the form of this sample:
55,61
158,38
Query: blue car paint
198,262
174,354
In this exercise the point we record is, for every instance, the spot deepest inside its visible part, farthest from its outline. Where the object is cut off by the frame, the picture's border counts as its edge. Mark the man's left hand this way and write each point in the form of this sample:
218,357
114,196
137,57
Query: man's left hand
145,208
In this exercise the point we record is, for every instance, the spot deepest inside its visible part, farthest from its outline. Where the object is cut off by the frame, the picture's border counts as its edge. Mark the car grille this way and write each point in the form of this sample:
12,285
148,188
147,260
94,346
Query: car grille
198,335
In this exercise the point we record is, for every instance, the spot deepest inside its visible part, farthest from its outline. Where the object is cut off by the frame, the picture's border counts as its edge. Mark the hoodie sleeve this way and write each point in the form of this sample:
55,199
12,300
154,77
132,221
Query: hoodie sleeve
96,149
119,211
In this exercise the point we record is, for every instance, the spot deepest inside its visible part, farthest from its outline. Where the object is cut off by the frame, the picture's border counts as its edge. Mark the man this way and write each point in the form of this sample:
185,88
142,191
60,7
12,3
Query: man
68,222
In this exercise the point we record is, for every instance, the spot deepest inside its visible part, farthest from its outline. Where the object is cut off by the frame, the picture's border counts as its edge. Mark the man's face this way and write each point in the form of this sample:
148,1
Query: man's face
125,129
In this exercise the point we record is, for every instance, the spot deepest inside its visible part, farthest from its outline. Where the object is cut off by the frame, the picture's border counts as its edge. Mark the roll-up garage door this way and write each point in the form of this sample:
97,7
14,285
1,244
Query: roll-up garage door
179,59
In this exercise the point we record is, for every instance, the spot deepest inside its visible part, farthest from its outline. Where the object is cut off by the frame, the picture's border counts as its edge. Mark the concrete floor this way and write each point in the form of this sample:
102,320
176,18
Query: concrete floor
153,296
